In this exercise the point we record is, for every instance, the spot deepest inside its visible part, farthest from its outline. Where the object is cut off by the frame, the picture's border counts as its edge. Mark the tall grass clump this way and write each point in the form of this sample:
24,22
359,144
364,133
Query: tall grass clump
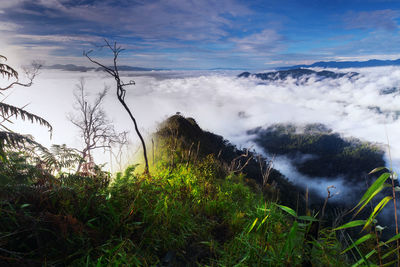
371,250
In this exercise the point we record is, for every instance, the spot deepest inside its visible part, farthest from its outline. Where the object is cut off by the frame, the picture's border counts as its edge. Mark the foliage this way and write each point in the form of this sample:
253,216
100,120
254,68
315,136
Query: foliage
193,213
17,168
187,142
383,252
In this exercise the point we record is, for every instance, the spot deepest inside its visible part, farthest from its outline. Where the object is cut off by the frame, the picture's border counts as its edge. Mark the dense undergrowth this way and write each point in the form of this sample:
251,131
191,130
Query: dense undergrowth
191,211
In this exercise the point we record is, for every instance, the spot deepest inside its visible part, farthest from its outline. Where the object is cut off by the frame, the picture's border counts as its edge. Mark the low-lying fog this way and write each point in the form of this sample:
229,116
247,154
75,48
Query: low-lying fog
366,106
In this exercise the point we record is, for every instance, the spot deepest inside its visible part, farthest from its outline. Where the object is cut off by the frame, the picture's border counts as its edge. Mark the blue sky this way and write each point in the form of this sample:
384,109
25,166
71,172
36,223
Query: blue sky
201,34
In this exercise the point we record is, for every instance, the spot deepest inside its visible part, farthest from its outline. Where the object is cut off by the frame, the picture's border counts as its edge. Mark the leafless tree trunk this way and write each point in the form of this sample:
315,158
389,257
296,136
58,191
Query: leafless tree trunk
121,91
95,128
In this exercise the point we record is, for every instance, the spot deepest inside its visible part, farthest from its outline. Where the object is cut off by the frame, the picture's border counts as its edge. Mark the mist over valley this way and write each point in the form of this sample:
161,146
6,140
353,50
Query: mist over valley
358,103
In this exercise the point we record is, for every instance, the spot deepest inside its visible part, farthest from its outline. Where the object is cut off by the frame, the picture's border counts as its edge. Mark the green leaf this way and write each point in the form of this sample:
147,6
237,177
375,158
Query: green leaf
372,252
373,188
252,226
350,224
377,170
288,247
389,253
391,263
25,205
358,251
359,241
98,264
288,210
376,210
262,222
117,247
241,261
372,196
393,238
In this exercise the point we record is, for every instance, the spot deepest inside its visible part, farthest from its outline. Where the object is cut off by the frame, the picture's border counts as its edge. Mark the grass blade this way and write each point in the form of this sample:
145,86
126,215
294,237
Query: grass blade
372,252
374,187
393,238
389,253
351,224
288,247
359,241
372,196
262,222
288,210
377,170
252,226
377,209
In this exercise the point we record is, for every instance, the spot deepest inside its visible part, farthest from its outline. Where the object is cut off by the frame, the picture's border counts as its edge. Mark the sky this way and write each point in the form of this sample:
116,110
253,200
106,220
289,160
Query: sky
200,34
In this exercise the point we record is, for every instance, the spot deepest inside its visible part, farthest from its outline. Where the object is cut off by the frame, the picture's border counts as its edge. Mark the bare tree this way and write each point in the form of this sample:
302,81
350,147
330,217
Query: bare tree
30,71
95,128
121,91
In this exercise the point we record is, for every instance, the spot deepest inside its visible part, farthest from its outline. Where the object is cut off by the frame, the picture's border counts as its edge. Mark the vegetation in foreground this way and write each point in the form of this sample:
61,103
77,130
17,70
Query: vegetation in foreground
192,212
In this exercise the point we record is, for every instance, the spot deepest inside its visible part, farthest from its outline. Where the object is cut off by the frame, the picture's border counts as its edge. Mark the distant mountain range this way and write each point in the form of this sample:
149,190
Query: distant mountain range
298,74
320,64
72,67
346,64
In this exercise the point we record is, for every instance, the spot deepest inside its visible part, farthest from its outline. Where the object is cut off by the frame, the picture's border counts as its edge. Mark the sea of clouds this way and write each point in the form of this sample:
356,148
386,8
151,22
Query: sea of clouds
220,102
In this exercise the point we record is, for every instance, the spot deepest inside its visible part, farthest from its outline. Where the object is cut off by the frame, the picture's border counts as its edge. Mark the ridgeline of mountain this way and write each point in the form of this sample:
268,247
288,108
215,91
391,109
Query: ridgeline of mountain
316,151
72,67
69,67
187,135
346,64
297,73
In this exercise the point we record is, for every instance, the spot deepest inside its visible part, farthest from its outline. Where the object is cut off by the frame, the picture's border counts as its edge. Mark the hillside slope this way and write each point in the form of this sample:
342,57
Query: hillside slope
178,134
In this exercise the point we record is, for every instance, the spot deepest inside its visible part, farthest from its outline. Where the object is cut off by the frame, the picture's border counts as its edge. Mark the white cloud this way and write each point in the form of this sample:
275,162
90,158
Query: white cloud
377,19
9,26
178,19
58,38
268,41
52,4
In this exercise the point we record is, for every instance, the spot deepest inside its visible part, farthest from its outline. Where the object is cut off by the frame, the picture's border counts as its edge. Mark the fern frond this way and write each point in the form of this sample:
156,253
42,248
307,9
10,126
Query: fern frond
15,139
6,70
8,110
60,156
